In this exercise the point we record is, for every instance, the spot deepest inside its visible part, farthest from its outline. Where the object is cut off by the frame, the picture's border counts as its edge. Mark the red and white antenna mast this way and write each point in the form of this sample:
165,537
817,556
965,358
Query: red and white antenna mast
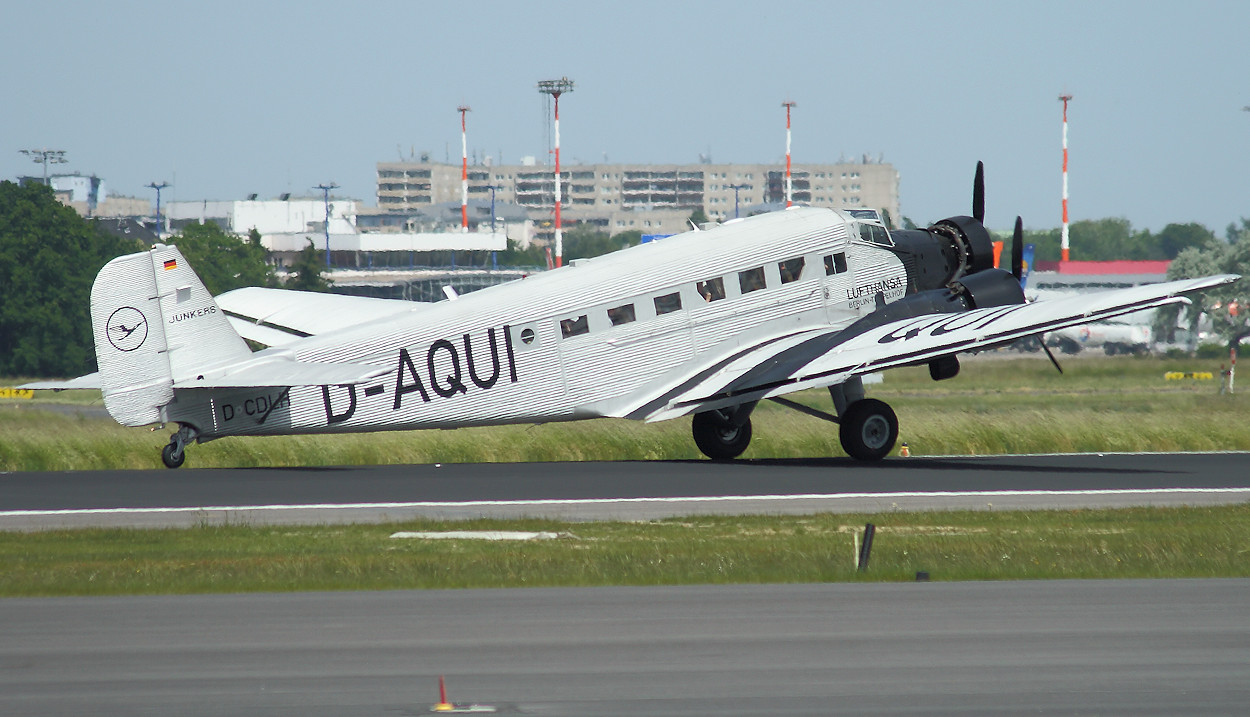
464,170
1063,245
789,193
555,88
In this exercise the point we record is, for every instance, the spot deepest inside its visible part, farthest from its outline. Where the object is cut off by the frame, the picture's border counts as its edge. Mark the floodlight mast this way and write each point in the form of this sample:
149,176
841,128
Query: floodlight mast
555,88
45,157
1063,244
788,104
464,170
325,192
159,224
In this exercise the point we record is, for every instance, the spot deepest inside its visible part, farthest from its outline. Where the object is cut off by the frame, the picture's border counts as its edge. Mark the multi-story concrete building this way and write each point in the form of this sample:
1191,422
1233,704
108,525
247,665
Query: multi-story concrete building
652,198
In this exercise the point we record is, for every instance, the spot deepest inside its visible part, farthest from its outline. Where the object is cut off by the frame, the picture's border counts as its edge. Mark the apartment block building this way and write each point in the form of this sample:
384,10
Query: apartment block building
652,198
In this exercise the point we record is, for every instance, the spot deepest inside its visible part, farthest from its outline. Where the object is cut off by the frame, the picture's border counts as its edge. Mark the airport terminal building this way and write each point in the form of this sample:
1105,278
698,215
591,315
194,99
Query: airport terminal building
650,198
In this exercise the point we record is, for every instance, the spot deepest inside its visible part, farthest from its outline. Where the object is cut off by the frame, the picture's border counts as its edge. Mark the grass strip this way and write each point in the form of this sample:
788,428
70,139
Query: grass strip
950,546
995,406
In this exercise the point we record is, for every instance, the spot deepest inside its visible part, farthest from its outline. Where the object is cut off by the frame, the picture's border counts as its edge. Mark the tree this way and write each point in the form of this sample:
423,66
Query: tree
305,273
224,261
514,255
698,217
1226,306
585,241
49,257
1176,238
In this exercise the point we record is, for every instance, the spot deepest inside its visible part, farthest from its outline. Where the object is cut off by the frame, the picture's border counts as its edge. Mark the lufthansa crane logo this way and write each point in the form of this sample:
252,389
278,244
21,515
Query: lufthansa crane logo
127,328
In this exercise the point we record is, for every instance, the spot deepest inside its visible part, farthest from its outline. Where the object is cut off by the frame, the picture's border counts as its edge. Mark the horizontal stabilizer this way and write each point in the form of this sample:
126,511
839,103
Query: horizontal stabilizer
91,380
281,370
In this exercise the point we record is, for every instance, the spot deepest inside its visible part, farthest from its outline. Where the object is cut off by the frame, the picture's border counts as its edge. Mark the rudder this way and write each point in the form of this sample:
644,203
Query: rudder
155,325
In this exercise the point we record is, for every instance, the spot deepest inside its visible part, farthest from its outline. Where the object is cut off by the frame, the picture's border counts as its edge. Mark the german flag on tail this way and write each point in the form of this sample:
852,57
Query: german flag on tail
171,264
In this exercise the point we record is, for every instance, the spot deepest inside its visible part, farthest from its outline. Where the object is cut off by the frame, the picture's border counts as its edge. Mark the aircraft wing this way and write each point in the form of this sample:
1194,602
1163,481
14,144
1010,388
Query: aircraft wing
276,317
824,358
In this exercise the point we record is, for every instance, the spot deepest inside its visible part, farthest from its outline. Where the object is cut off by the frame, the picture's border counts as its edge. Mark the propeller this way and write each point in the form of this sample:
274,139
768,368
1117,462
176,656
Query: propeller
978,193
1017,250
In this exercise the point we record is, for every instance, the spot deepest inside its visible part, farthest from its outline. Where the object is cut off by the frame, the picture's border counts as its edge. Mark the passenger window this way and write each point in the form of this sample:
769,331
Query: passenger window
574,327
668,303
751,280
712,289
790,270
835,264
621,314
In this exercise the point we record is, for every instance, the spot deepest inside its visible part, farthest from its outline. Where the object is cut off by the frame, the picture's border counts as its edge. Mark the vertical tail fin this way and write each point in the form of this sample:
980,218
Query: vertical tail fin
154,324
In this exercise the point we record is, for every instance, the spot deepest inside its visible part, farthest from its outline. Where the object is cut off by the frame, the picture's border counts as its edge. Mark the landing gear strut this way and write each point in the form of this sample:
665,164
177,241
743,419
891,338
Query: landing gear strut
175,454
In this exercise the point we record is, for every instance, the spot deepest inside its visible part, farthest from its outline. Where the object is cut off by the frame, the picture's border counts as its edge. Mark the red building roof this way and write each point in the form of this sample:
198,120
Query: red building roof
1103,267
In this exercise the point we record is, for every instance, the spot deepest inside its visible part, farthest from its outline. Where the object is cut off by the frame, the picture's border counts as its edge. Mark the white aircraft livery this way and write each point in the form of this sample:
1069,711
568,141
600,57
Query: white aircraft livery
707,323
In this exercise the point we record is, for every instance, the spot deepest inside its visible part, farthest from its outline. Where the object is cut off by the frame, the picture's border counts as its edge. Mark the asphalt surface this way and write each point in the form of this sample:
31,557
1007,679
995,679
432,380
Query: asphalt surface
1161,647
615,490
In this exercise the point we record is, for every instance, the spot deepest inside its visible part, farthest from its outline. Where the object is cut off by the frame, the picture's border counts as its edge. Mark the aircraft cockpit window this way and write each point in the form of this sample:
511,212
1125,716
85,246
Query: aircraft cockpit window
752,280
790,269
668,303
621,314
835,264
712,289
574,327
874,234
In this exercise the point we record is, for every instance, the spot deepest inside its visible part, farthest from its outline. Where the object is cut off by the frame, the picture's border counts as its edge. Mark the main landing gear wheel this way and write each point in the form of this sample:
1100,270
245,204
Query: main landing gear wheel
718,438
868,429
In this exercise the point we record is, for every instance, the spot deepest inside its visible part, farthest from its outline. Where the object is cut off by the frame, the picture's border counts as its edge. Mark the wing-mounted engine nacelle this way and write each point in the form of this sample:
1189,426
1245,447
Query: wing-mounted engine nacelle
950,249
991,287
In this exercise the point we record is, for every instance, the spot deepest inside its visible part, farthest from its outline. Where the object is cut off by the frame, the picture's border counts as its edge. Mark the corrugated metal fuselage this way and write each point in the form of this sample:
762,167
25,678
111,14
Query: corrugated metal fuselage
500,355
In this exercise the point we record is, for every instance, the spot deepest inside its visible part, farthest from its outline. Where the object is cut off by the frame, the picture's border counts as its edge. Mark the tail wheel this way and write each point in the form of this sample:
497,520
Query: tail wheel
868,429
173,455
719,439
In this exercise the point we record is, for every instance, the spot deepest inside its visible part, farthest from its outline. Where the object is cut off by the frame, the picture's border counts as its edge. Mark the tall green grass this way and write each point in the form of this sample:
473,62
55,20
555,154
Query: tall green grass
1018,405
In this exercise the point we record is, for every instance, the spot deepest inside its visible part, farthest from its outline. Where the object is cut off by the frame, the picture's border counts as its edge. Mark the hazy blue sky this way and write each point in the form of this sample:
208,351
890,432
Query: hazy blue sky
227,98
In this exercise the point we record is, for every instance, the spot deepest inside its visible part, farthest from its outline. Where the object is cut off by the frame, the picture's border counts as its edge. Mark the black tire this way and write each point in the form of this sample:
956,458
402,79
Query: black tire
169,458
868,430
716,439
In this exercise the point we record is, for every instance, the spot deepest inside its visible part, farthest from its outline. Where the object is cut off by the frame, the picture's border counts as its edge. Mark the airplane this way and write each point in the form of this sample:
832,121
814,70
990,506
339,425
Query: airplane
706,323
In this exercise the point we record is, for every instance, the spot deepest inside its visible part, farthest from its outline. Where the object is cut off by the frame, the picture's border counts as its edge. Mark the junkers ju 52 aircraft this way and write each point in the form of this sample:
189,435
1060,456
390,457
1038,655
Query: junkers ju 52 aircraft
707,323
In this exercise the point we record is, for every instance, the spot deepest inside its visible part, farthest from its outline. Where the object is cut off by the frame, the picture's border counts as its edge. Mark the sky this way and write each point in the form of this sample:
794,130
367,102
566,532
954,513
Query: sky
222,99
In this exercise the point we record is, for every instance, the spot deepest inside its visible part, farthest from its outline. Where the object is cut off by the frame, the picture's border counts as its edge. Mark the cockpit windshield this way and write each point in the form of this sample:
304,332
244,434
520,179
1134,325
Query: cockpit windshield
871,227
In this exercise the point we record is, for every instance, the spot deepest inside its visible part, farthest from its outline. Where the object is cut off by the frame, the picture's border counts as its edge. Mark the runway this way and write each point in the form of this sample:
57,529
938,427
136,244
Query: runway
639,490
1162,647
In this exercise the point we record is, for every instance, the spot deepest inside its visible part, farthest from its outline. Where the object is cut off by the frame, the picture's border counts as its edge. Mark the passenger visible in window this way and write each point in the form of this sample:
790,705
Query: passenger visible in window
752,280
712,289
790,269
574,327
835,264
621,314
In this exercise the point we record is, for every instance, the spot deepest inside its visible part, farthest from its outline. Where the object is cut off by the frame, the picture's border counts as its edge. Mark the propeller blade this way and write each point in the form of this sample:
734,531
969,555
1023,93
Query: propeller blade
1041,339
978,193
1017,250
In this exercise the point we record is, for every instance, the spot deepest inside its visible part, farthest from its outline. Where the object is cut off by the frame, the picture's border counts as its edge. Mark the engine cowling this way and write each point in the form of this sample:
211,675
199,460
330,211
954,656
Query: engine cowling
948,250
